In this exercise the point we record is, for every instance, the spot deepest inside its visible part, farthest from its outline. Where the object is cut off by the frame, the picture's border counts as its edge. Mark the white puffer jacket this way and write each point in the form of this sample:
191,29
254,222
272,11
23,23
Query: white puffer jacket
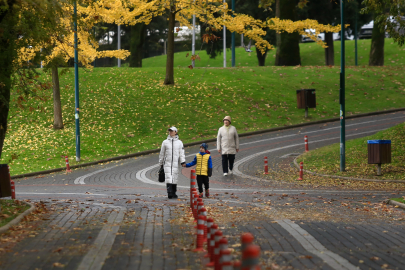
171,156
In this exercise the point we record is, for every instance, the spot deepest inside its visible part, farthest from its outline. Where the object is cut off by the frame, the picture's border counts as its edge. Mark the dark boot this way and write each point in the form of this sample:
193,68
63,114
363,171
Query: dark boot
174,186
207,193
169,191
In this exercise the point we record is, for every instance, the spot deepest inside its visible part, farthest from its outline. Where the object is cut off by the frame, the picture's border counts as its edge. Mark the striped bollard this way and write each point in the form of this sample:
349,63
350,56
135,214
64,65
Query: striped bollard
217,237
301,171
192,184
306,143
203,212
12,184
223,244
191,197
210,222
226,260
237,265
266,166
214,229
67,164
250,258
200,205
195,205
200,234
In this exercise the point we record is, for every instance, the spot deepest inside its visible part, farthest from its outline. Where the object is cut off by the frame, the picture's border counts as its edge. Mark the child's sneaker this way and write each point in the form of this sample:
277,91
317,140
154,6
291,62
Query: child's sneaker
207,193
201,195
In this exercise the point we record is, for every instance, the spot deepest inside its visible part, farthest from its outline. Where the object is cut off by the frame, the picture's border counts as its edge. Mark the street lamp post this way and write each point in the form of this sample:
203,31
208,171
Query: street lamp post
77,111
233,37
193,43
119,43
224,43
342,88
355,41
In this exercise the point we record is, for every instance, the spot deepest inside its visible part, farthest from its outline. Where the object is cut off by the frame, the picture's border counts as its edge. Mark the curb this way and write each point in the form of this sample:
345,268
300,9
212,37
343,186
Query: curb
208,140
347,178
16,220
395,203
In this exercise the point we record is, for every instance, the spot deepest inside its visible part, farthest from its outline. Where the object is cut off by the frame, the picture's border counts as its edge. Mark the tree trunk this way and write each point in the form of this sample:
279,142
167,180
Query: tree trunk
7,55
57,108
261,57
330,51
377,46
288,49
170,50
136,46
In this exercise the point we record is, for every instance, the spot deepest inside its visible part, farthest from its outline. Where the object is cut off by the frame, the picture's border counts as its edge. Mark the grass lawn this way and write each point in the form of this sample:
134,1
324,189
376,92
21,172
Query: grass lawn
311,55
326,160
127,110
401,200
11,209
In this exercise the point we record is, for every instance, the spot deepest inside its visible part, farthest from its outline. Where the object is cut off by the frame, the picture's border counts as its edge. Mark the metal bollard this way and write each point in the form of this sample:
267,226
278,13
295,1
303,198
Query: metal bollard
214,229
306,143
301,171
200,234
67,164
266,166
250,258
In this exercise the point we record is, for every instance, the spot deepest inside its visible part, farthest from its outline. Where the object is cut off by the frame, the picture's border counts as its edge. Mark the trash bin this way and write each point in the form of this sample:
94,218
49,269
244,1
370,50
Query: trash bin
379,152
5,185
306,98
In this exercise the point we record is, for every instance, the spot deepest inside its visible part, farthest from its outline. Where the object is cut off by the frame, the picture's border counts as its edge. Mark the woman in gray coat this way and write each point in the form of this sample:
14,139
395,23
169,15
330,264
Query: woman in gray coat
227,144
171,154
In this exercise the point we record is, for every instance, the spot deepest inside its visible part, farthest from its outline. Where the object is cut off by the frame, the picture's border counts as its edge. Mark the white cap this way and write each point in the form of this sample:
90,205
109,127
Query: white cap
173,129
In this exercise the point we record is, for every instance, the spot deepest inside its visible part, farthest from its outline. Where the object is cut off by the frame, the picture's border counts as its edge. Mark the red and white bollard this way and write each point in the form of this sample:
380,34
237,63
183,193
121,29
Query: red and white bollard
266,166
191,197
195,204
223,245
210,222
250,258
200,205
226,260
246,239
192,184
203,212
12,184
217,237
301,171
67,164
306,143
213,230
200,234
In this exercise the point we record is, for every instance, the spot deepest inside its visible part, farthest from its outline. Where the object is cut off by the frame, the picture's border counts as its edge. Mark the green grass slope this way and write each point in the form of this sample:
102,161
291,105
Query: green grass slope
311,55
127,110
326,160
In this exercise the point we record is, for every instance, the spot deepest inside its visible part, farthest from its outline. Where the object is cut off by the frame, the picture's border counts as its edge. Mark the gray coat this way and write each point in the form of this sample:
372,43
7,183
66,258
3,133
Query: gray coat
227,140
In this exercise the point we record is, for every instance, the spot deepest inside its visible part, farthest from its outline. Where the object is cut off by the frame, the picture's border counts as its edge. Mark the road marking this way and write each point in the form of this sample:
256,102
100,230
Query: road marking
307,241
96,256
80,194
80,180
314,246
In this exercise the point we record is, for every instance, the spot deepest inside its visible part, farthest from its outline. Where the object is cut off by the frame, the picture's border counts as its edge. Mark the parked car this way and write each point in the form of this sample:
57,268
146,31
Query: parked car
305,39
366,30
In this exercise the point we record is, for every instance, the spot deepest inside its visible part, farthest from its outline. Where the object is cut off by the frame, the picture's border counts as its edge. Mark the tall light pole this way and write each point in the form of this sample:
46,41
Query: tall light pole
355,40
193,43
224,41
119,43
77,110
233,37
342,88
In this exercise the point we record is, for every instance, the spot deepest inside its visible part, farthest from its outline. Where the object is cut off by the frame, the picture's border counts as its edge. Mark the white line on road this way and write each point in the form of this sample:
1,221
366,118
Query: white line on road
42,193
96,256
80,180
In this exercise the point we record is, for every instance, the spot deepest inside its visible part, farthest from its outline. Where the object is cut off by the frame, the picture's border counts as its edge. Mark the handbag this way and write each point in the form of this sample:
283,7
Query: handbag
161,173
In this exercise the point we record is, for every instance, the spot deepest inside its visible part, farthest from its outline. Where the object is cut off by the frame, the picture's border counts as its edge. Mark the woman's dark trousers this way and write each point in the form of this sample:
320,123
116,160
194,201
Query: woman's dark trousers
225,159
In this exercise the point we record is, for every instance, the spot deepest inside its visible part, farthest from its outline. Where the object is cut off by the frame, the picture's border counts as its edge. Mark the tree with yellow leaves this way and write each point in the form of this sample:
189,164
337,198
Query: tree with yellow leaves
214,13
58,48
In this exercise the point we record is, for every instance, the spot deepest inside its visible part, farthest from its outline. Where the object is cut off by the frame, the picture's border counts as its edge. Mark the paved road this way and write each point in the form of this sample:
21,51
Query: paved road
118,215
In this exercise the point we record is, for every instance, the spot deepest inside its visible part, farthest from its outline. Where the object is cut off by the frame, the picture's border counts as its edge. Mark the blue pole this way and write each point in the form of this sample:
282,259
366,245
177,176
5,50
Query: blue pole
233,37
77,111
342,88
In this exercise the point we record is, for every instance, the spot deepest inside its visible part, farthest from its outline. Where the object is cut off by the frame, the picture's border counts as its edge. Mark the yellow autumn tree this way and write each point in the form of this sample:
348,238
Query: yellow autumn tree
214,13
60,47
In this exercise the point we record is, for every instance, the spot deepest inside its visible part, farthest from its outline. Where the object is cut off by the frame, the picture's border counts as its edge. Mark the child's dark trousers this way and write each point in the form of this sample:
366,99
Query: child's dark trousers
202,179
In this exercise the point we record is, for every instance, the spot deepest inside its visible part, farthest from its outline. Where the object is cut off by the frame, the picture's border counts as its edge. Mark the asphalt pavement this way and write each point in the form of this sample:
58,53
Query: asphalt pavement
117,215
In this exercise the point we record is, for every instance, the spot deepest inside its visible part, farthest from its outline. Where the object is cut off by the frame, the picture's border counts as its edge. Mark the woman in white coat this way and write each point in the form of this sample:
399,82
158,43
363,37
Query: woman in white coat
227,145
171,156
